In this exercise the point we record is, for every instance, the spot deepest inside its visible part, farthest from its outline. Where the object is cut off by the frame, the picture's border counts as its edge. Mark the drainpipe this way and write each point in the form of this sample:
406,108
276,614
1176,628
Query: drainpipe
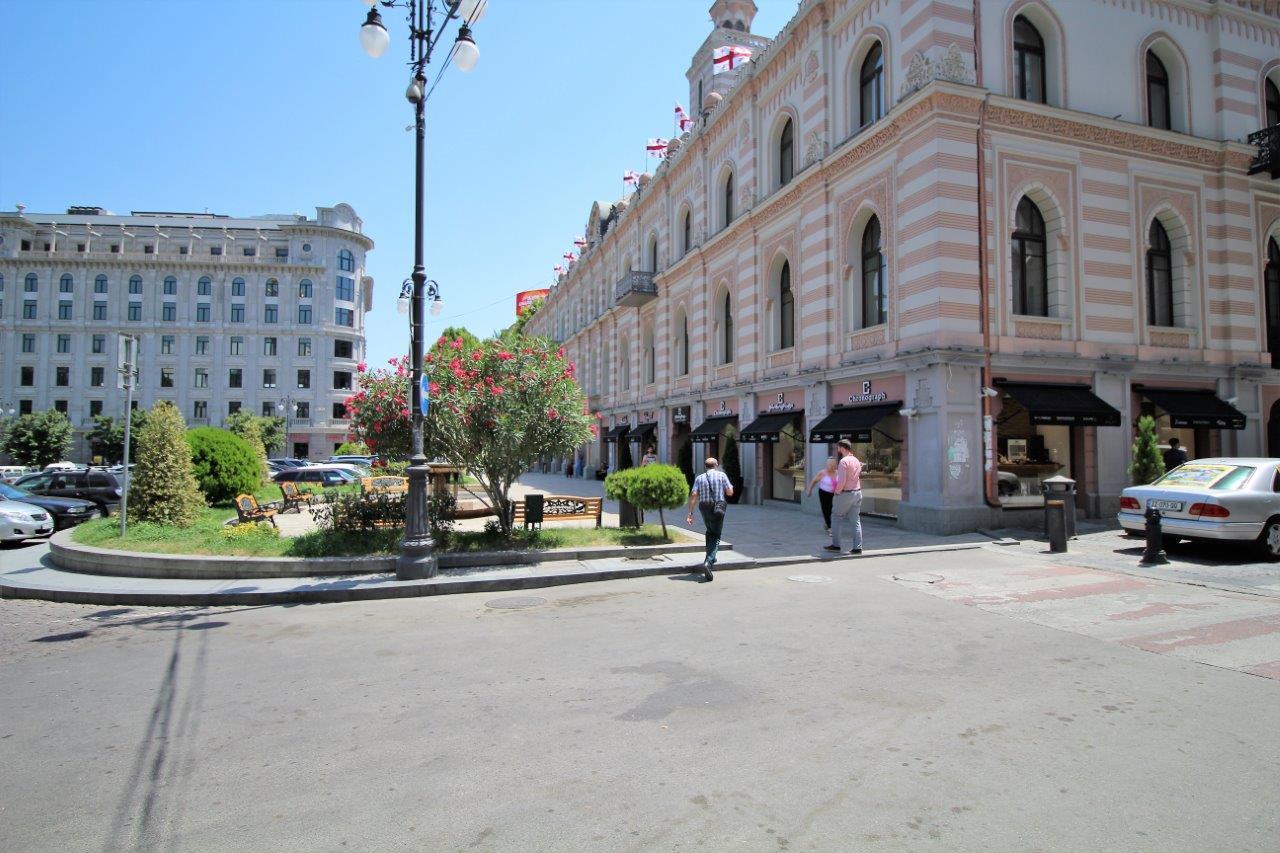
984,301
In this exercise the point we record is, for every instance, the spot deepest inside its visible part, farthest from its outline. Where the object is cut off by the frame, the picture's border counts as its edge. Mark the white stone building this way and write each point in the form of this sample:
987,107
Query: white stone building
262,313
896,205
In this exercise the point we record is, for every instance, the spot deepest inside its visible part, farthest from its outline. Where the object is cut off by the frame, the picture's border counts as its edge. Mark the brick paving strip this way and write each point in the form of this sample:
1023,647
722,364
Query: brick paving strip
1220,628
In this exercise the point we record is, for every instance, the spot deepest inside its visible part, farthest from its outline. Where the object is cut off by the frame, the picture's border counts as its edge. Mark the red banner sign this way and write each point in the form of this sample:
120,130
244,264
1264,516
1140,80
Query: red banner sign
526,298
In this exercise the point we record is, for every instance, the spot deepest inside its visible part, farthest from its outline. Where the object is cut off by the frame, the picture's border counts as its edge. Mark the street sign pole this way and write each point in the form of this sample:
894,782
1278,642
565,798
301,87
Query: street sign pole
128,369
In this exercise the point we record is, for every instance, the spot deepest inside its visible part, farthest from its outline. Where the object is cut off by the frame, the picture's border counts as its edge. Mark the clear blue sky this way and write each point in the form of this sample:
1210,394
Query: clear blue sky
247,107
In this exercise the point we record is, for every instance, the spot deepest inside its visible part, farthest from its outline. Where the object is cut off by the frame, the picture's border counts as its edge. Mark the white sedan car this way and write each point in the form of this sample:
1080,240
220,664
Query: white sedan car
1234,500
20,521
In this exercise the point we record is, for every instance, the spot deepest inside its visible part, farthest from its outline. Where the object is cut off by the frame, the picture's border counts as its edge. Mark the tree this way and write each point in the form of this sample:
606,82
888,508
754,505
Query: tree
499,405
271,430
1147,464
651,487
352,448
249,428
163,488
224,464
379,409
106,438
39,438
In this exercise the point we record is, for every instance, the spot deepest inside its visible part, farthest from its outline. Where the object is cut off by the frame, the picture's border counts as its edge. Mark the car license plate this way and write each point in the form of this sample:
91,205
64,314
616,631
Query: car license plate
1174,506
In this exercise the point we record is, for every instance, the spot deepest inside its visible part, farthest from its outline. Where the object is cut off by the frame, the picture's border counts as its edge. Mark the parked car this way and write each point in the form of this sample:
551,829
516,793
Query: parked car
97,485
356,469
1215,500
322,474
66,512
9,473
64,466
288,462
366,461
19,521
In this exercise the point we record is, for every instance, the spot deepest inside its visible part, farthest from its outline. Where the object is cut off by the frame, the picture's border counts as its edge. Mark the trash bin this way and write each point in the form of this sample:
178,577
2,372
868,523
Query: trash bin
1063,489
533,509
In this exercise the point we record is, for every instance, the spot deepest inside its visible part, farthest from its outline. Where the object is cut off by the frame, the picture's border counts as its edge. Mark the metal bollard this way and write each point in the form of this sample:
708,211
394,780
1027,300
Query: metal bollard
1055,525
1151,555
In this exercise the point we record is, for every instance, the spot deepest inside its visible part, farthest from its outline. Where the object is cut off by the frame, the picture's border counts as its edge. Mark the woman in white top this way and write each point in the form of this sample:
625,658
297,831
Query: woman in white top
826,483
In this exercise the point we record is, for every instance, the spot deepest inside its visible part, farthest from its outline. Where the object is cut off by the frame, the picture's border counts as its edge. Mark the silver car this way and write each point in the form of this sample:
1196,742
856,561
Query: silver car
20,521
1225,499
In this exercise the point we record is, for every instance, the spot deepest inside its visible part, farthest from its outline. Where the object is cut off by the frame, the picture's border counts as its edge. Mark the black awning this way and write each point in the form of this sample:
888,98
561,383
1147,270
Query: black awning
641,432
852,422
1195,408
1061,405
712,427
765,428
617,432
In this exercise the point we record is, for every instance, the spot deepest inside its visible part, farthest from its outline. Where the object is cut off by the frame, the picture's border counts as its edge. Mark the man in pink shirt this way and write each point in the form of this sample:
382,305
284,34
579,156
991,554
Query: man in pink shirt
847,503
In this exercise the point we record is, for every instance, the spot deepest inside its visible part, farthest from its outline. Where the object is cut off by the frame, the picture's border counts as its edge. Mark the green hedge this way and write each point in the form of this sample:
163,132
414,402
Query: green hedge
224,464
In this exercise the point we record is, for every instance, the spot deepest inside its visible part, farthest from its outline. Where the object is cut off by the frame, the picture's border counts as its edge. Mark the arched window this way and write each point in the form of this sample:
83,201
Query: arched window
1030,270
1159,101
66,284
653,253
624,366
871,87
1271,280
1159,277
874,297
170,286
31,284
1028,61
346,262
135,284
726,327
728,200
786,308
686,227
786,154
204,287
100,284
1272,98
237,286
650,357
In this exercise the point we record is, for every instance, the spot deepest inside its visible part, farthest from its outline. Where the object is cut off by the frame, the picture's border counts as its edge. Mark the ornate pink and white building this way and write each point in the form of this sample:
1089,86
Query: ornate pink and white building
979,237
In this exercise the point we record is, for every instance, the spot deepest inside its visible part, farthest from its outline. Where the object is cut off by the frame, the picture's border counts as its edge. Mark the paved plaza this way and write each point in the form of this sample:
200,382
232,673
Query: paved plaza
858,704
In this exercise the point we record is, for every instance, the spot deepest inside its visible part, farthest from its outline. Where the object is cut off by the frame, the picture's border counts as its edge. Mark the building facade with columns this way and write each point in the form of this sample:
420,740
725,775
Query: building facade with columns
260,313
979,239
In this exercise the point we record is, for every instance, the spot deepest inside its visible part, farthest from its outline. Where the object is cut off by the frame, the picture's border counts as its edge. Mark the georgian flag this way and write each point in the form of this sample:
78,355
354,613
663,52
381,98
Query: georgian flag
580,243
656,147
570,257
728,58
682,119
558,270
631,177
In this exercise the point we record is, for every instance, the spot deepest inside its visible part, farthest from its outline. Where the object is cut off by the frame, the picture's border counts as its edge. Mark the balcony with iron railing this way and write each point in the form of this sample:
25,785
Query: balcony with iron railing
1268,159
635,288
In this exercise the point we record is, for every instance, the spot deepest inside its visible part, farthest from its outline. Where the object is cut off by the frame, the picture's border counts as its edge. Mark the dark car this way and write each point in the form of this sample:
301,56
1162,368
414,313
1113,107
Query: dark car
285,462
324,476
95,485
66,512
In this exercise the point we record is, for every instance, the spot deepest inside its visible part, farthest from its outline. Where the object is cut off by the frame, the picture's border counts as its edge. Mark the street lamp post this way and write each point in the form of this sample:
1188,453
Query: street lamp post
417,552
287,406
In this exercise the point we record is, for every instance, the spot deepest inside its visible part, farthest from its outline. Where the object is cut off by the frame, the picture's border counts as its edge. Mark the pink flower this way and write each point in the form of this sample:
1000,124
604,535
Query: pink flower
404,413
477,355
552,414
361,367
433,388
504,355
457,343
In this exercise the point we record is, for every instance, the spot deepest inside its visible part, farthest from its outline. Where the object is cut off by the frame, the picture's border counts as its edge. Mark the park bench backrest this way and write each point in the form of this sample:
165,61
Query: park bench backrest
564,508
393,485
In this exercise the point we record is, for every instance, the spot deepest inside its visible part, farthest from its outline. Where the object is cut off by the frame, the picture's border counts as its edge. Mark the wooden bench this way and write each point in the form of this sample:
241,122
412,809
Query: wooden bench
247,509
562,508
296,498
384,485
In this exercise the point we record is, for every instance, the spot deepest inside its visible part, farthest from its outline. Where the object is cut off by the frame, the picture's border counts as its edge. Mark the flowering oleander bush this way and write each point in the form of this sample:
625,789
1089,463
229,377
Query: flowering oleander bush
379,409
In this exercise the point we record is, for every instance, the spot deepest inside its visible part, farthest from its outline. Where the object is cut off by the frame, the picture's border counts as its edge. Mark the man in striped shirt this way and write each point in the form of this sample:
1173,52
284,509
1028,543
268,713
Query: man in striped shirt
711,490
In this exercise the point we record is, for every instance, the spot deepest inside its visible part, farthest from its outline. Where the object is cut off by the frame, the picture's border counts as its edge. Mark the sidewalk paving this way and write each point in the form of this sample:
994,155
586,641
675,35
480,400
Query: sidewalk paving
775,529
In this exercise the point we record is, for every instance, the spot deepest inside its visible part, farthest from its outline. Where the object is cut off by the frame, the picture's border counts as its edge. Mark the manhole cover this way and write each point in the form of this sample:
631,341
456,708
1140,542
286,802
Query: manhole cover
810,579
515,602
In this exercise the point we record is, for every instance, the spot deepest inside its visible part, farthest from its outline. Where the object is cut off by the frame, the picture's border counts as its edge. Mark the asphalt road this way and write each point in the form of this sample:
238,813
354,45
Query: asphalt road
754,713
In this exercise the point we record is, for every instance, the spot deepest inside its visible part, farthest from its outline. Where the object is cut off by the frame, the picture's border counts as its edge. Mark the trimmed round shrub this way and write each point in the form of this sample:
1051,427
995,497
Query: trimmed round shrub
224,464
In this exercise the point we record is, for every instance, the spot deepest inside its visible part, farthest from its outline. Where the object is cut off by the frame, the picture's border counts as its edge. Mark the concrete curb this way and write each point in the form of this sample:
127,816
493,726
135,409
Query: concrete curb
361,588
85,559
827,557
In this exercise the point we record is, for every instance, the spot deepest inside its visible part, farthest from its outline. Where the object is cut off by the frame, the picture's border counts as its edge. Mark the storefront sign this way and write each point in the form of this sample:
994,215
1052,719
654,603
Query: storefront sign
868,396
680,415
722,412
525,299
781,405
648,417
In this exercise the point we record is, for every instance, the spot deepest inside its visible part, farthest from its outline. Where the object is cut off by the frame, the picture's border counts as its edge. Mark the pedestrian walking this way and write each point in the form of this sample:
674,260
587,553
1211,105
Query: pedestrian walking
710,494
825,482
1175,455
650,457
847,502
